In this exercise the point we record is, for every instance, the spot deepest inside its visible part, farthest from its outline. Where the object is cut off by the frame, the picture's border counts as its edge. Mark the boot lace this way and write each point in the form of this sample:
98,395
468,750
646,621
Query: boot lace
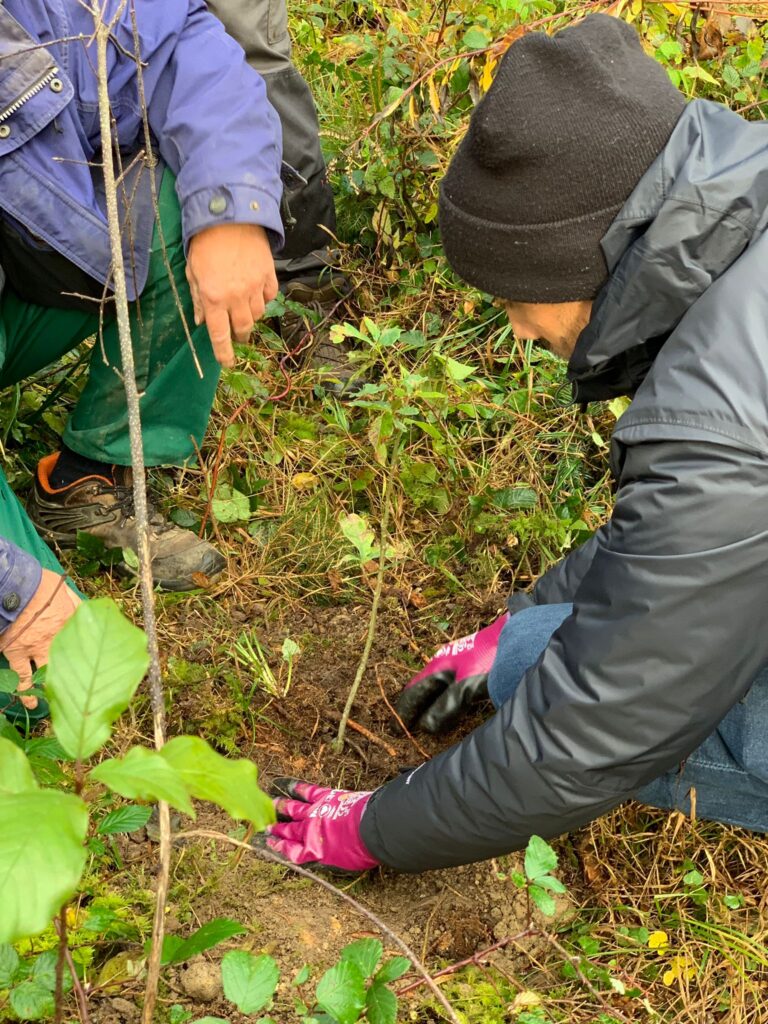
123,500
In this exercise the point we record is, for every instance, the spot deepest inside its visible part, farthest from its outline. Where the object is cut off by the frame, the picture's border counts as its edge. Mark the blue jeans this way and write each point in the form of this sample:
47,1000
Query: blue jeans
729,771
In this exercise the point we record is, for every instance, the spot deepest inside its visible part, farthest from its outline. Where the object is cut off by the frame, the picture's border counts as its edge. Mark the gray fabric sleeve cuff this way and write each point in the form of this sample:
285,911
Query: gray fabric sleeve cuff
20,575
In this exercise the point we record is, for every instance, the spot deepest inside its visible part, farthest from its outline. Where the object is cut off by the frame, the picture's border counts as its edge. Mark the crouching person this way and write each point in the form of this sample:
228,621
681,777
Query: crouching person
628,232
218,148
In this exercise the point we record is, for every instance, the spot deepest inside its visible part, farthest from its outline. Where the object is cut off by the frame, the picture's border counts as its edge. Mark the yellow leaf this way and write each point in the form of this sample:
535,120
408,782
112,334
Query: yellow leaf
486,79
679,967
434,99
413,114
304,481
73,918
524,1000
120,969
618,406
658,941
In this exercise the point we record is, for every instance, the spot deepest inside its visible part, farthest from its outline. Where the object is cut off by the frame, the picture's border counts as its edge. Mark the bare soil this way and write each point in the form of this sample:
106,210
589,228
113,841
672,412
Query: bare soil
444,916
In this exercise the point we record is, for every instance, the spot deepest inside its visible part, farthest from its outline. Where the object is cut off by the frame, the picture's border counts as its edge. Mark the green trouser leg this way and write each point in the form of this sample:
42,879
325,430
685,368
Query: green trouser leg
175,402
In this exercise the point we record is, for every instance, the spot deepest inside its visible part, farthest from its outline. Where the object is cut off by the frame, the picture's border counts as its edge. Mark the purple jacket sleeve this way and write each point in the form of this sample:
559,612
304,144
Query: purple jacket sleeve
20,575
215,127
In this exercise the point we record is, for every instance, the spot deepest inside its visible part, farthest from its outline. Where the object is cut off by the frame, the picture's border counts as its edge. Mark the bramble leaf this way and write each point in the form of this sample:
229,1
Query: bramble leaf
9,680
365,953
543,900
540,858
249,981
341,992
230,506
9,964
393,969
32,1001
15,770
381,1005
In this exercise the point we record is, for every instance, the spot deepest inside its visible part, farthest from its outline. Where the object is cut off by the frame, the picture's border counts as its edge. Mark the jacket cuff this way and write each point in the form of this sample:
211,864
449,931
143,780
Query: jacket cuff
232,204
20,575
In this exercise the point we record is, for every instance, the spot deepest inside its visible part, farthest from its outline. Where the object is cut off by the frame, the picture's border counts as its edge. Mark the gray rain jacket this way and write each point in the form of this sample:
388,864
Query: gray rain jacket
670,597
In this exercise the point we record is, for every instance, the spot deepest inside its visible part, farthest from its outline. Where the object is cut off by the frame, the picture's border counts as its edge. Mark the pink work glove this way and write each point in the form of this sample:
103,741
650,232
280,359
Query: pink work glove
454,679
319,827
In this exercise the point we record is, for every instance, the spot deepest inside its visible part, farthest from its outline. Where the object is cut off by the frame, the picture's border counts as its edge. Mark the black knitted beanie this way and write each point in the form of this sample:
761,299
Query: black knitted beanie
567,129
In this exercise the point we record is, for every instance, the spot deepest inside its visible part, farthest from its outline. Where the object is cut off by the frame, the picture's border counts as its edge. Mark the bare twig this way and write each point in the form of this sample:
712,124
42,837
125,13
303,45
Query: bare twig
400,722
77,985
385,496
61,961
102,33
371,737
304,341
151,163
342,895
574,961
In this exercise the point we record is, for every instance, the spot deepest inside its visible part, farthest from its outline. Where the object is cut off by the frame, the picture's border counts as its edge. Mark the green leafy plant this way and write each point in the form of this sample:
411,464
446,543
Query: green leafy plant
537,879
96,664
28,983
356,987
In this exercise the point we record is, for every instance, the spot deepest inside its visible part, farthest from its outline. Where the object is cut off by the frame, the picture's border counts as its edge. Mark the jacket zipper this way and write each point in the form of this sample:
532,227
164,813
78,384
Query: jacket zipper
33,90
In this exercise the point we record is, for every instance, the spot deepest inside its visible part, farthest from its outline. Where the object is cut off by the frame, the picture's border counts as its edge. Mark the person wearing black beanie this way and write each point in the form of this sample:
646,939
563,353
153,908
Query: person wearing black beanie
567,129
630,231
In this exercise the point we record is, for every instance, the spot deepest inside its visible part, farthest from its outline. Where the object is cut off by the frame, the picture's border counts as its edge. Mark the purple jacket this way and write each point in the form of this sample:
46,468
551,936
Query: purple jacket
207,110
209,115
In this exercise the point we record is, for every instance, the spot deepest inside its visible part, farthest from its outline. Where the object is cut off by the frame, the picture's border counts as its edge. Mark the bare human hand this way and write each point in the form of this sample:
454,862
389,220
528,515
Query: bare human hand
232,277
27,641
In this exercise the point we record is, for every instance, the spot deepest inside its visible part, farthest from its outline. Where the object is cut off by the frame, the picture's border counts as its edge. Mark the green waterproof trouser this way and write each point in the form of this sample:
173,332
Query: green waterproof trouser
175,401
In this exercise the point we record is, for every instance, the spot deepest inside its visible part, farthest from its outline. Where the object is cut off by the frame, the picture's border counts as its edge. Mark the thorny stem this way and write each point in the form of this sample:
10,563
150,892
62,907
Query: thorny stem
476,960
394,938
574,961
385,498
139,493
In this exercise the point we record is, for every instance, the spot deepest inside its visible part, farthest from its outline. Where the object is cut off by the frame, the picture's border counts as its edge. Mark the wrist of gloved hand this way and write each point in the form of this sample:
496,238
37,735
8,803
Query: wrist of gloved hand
452,681
318,827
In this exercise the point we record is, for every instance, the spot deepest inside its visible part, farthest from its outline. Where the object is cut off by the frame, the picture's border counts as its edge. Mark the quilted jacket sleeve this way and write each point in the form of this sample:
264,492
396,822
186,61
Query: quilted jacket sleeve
667,633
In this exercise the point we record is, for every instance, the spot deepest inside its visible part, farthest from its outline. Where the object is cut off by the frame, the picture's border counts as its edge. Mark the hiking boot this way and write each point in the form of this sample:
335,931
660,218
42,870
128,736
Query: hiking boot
103,508
308,340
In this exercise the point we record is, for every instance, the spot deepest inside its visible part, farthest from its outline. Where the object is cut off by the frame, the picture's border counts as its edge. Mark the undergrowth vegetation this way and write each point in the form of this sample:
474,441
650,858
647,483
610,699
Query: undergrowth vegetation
489,477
